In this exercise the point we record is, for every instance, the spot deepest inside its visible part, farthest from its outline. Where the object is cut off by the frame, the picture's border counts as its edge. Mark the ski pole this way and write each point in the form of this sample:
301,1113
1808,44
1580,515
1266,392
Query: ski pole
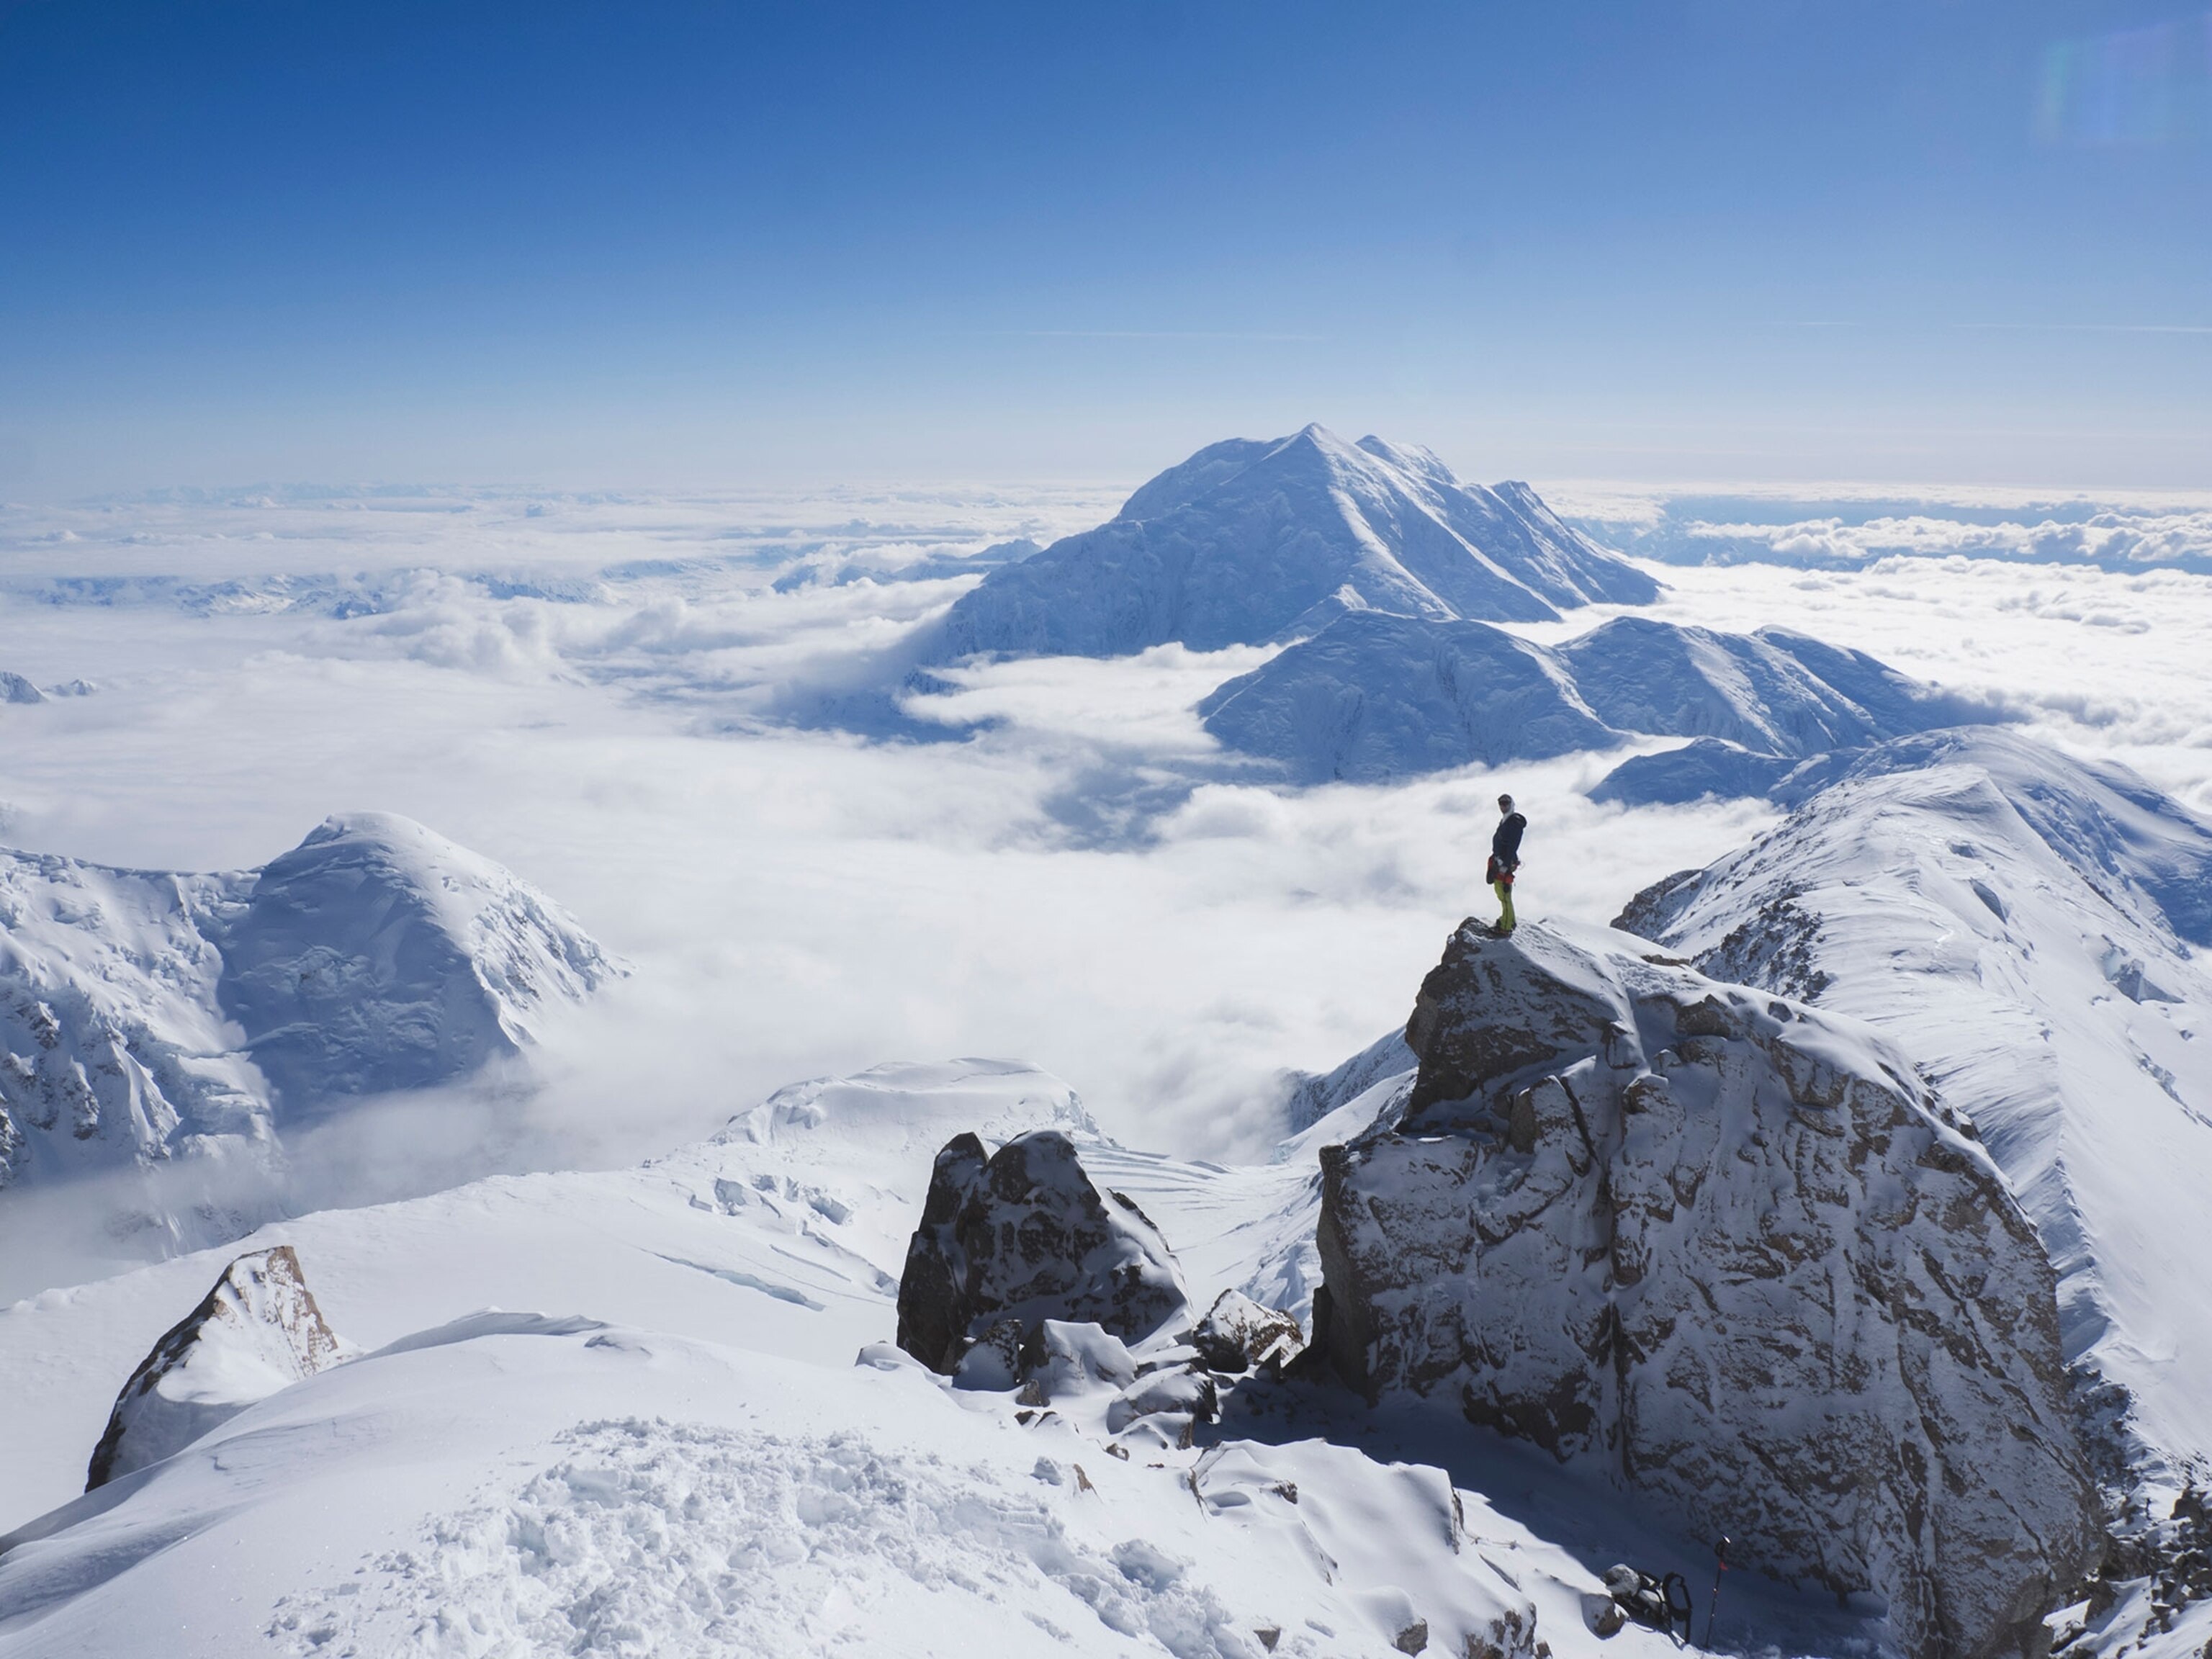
1713,1606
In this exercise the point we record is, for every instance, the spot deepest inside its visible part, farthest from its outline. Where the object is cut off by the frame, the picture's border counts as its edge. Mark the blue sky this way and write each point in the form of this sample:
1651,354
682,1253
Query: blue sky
582,245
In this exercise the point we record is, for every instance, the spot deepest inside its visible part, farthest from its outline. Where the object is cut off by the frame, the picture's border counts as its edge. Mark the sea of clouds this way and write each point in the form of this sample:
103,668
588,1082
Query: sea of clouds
1056,862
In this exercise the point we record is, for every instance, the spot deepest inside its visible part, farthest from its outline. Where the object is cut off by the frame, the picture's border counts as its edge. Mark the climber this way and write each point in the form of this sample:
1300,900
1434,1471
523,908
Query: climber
1505,859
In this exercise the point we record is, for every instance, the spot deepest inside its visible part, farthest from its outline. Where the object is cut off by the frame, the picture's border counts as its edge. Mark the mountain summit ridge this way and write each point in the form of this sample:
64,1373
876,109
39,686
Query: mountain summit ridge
1249,541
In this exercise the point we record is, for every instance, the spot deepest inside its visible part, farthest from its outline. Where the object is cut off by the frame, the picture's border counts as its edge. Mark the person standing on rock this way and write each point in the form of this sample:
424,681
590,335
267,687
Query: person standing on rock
1505,859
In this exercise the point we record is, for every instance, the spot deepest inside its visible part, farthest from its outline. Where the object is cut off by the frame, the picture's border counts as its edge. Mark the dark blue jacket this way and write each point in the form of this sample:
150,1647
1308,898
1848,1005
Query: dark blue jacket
1505,845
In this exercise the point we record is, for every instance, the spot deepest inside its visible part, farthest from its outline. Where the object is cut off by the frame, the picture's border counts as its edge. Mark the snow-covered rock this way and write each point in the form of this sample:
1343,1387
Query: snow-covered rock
1728,1251
1373,696
256,1331
14,688
1021,1236
2021,924
1238,1334
1249,541
152,1020
377,954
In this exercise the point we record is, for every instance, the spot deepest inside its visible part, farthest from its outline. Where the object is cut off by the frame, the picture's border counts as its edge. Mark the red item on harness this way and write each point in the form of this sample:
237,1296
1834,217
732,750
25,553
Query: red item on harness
1497,872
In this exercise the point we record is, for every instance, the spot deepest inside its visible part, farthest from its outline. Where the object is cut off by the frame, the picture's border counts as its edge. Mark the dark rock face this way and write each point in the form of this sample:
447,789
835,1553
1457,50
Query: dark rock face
257,1331
1724,1247
1023,1236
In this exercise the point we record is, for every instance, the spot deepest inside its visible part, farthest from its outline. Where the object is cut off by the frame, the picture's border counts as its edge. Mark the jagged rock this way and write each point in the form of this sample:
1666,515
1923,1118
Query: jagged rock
1024,1236
259,1330
1724,1247
14,688
1238,1334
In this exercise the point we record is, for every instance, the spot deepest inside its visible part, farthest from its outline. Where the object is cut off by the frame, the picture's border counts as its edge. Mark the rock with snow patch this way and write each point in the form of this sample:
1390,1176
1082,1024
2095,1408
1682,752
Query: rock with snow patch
14,688
256,1331
1724,1248
1239,1334
1023,1236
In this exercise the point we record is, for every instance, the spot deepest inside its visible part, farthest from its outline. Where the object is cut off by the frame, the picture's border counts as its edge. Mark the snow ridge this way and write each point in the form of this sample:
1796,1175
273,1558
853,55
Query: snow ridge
2021,924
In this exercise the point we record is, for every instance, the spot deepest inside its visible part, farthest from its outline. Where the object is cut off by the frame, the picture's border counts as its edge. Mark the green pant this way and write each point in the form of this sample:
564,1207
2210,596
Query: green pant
1504,891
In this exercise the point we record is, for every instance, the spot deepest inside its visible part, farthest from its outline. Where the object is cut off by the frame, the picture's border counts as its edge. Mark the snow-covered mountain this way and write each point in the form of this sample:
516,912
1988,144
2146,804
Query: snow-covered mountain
1250,541
149,1018
1374,696
2027,927
708,1443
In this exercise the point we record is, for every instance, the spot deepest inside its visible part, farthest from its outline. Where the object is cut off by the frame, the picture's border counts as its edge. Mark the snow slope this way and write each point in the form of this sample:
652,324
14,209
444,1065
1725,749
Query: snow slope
713,1472
2022,924
151,1019
1374,697
1250,541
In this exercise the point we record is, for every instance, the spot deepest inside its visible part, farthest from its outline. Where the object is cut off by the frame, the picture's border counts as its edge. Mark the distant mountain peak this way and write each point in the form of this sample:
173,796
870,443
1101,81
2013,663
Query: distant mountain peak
1252,540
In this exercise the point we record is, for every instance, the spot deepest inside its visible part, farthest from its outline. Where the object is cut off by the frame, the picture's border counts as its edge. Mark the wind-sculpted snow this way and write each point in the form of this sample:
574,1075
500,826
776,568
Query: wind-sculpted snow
1726,1250
1374,697
2020,924
1248,542
256,1331
378,956
153,1021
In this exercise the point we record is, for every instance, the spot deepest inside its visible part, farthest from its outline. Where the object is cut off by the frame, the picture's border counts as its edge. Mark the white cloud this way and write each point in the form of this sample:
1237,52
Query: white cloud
799,903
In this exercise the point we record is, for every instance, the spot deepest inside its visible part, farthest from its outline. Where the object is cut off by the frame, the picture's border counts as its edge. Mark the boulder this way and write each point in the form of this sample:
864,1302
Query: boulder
1239,1334
1727,1251
1022,1236
259,1330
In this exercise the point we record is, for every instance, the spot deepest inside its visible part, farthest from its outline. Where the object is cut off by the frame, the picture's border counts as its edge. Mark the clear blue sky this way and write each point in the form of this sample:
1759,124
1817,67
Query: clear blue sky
613,244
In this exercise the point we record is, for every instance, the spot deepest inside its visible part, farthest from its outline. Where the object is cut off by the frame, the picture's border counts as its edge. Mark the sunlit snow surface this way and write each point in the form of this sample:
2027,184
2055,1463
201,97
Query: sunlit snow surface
583,691
688,1458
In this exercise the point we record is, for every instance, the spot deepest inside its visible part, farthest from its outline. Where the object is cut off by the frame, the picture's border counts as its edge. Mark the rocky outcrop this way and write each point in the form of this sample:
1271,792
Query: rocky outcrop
1727,1249
259,1330
1023,1235
1239,1334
